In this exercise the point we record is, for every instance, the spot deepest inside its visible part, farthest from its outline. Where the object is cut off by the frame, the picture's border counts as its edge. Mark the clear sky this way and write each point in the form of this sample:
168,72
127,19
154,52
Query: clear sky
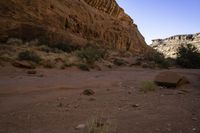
163,18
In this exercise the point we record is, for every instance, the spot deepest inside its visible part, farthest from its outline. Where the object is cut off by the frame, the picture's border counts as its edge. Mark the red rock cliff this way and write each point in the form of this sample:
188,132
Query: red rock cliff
101,21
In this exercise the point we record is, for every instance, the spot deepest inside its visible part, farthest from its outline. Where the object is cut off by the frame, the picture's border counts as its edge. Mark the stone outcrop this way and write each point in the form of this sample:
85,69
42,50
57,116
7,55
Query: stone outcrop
170,45
74,21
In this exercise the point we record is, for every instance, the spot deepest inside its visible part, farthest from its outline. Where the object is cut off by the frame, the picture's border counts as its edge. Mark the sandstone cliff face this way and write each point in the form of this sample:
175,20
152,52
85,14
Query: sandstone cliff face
79,21
170,45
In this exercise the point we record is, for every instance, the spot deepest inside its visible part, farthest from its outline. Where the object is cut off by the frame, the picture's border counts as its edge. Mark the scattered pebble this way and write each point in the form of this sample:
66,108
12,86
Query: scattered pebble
108,89
129,92
60,105
92,99
31,72
194,129
88,92
135,105
80,126
41,75
194,119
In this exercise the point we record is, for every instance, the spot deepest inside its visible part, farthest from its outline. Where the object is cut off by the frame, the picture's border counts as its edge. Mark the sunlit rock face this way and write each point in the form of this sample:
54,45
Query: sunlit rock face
169,46
77,21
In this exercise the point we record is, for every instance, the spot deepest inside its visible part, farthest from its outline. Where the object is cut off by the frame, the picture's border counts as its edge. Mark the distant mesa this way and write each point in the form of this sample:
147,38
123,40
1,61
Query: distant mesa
169,46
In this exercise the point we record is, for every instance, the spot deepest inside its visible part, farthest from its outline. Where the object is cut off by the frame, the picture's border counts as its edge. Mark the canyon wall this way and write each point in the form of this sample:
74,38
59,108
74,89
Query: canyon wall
74,21
169,46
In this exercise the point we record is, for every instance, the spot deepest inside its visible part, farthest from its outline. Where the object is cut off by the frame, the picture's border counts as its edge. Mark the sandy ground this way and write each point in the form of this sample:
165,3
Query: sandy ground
51,101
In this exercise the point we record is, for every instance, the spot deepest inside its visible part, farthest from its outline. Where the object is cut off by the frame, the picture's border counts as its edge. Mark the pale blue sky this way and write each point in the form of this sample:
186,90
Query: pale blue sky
163,18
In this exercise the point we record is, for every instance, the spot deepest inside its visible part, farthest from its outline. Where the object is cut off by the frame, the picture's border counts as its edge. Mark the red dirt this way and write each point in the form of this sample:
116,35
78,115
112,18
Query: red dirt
51,101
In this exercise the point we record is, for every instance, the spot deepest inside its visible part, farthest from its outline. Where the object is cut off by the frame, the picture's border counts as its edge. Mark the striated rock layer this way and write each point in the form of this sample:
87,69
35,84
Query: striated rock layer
169,46
79,21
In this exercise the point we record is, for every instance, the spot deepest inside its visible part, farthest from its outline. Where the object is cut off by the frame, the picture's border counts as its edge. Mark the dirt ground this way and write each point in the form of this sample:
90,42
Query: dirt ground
51,101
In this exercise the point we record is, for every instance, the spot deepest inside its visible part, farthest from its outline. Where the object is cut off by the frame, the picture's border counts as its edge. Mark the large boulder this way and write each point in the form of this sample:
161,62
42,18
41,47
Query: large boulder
170,79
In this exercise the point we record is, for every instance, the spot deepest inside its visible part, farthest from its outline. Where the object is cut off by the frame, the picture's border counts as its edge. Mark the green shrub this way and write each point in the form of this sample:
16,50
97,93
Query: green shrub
188,56
91,54
66,47
157,58
29,56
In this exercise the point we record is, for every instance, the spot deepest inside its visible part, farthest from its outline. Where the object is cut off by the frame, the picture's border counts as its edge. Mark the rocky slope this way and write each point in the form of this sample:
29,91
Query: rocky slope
75,21
170,45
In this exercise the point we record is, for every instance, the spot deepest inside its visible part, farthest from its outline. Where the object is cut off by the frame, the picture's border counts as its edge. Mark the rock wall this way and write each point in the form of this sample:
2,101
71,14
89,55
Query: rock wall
169,46
77,21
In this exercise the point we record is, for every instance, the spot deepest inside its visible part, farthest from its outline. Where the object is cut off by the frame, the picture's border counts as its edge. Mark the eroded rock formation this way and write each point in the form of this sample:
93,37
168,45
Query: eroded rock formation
169,46
79,21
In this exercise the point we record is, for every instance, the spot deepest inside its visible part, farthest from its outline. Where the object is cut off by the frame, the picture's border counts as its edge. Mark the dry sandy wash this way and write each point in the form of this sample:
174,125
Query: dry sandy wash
51,101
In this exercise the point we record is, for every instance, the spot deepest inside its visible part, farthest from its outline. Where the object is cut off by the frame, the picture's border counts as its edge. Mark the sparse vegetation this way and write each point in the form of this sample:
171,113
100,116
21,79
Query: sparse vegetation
29,56
188,56
66,47
91,54
157,58
100,125
148,86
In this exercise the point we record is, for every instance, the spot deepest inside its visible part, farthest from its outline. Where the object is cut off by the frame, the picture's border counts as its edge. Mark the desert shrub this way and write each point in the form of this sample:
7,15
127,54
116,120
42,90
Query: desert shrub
148,86
66,47
91,54
188,56
100,124
48,64
29,56
157,58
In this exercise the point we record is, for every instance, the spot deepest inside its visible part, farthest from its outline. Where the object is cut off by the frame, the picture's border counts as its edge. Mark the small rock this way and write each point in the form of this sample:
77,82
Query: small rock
129,92
80,126
194,129
84,67
76,106
194,119
120,61
41,75
31,72
88,92
60,105
135,105
23,64
108,89
92,99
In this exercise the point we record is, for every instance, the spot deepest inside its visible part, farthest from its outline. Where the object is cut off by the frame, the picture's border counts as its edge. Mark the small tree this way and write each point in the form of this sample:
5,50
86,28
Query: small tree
188,56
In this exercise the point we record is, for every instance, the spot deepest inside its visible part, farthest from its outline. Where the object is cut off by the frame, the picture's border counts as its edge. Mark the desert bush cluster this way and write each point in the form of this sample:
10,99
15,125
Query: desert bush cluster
188,56
90,54
157,58
29,56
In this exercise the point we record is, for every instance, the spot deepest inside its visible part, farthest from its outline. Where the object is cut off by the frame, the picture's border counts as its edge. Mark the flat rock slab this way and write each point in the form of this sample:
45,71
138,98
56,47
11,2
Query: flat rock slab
170,79
23,64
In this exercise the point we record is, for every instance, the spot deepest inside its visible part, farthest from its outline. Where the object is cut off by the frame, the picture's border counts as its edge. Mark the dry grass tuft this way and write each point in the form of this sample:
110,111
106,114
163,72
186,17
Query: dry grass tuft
148,86
100,124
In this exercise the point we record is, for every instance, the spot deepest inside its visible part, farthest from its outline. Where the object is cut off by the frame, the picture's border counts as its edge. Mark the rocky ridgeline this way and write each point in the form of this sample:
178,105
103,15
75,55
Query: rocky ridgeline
110,7
74,21
170,45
